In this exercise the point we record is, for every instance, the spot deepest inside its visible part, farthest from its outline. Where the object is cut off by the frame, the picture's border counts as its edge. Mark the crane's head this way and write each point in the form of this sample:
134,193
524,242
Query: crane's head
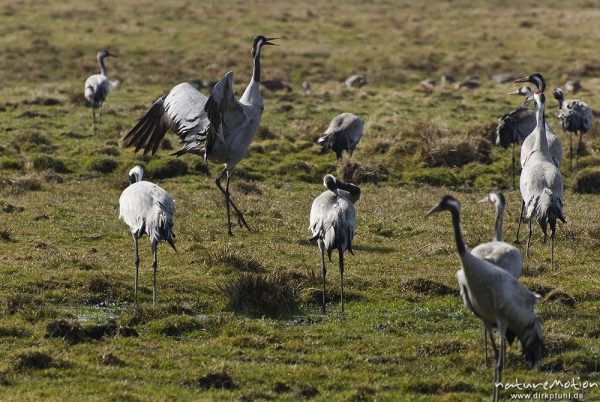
330,182
558,94
496,198
259,41
136,174
523,91
447,203
105,53
536,79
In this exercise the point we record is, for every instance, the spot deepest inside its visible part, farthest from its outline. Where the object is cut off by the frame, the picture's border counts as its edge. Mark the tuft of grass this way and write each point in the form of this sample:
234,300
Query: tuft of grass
270,295
218,380
11,163
103,165
358,173
175,325
164,169
233,258
20,185
45,162
34,360
587,181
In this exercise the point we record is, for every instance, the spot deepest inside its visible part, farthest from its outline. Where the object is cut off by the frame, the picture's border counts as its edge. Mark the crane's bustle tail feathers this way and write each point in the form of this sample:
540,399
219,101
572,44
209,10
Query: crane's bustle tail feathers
162,228
546,208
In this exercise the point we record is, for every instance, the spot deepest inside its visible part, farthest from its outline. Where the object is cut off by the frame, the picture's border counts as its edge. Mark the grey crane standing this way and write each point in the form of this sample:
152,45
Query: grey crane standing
218,128
97,86
149,209
575,117
515,126
343,134
497,298
332,223
498,252
541,182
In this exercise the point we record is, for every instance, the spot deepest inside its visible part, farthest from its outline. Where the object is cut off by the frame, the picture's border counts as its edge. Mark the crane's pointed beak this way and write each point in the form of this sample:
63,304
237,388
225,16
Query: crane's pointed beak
515,92
268,42
481,201
433,211
111,54
523,79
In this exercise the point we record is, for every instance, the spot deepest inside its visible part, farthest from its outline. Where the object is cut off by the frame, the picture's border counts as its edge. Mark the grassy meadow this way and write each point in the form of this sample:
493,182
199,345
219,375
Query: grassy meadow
238,317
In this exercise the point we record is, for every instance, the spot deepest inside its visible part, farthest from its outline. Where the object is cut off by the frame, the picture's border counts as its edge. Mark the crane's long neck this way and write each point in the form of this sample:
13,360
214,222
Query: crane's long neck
460,244
252,95
102,67
541,142
353,191
498,226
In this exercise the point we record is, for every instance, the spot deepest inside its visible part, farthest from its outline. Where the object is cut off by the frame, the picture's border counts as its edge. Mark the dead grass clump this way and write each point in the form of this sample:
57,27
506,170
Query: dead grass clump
231,257
108,359
165,170
73,332
200,166
6,235
587,181
557,296
356,172
245,188
261,294
103,165
12,332
110,151
176,325
455,151
32,141
45,162
9,208
212,380
12,303
34,360
264,133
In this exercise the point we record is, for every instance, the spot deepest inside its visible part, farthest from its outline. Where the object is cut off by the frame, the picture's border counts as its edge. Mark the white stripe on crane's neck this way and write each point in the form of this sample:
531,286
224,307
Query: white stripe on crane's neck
256,55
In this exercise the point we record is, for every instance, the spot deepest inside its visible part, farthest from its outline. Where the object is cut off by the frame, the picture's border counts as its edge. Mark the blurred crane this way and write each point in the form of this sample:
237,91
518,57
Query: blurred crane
218,128
497,298
97,86
575,117
332,223
343,134
149,209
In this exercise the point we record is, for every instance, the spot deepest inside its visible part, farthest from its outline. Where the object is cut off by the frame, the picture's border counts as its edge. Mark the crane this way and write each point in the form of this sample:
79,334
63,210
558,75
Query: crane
575,117
147,208
343,134
498,252
332,223
97,86
541,182
219,128
497,298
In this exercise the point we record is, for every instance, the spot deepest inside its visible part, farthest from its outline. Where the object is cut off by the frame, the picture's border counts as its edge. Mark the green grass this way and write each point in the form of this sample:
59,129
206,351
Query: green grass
242,312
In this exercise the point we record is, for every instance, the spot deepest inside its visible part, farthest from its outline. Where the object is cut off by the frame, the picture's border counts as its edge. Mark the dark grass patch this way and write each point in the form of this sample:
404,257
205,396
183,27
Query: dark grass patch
261,294
165,169
307,392
428,287
42,101
15,302
12,332
264,133
381,229
73,332
281,388
11,209
10,163
356,172
200,166
20,185
565,299
34,360
75,136
109,359
6,236
110,151
428,349
246,188
587,181
45,162
32,114
32,142
220,380
166,144
103,165
434,177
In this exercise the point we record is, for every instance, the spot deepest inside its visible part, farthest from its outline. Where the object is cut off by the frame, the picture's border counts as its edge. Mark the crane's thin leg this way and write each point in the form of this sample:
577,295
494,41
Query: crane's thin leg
137,265
520,219
341,252
485,345
324,275
513,165
579,148
552,250
570,150
94,119
154,265
528,242
238,214
499,366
